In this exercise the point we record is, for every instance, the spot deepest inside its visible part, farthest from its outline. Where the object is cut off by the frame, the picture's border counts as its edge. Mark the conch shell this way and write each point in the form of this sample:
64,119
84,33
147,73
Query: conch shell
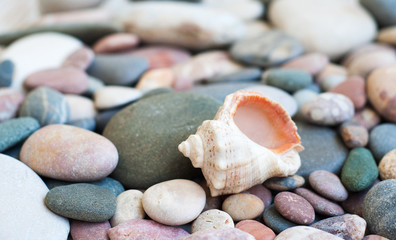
250,140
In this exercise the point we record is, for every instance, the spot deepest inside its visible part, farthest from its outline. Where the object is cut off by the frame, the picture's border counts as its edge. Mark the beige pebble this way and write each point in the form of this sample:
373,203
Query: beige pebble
114,96
116,42
243,206
387,35
80,107
156,78
255,28
75,17
212,219
387,166
129,206
304,233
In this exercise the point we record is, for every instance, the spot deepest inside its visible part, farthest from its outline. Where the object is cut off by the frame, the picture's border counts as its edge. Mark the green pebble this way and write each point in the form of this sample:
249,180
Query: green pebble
289,80
16,130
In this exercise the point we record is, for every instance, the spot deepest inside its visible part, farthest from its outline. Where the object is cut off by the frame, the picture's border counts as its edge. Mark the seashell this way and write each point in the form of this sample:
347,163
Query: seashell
250,140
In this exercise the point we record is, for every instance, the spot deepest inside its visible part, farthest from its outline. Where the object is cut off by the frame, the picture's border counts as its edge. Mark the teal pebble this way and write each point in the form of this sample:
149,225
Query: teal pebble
289,80
16,130
274,220
359,170
6,73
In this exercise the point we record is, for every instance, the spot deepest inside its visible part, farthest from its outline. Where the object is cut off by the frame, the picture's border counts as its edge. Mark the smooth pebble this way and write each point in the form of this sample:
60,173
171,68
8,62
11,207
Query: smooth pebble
129,206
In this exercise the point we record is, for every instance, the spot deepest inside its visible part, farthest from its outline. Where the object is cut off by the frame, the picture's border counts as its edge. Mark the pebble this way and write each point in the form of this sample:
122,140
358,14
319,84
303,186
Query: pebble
379,208
84,16
319,156
320,204
359,170
383,11
312,63
382,140
366,117
129,206
284,183
243,75
93,85
331,76
374,237
255,28
270,49
212,219
387,166
10,102
47,6
211,202
354,135
65,80
156,78
354,25
81,59
328,185
381,91
304,232
116,69
347,226
175,22
354,203
328,109
85,123
174,202
147,134
243,206
244,9
274,220
261,192
302,96
16,130
137,229
6,73
115,96
387,35
88,230
223,234
116,42
24,214
46,105
294,208
95,204
289,80
354,88
80,107
257,229
69,153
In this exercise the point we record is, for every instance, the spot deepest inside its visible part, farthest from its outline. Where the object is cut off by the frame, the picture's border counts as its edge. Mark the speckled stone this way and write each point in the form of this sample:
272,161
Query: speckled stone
384,11
289,80
81,59
354,203
274,220
269,49
328,185
16,130
148,132
10,102
243,206
257,229
115,96
89,231
359,170
6,73
129,206
387,166
347,226
354,135
212,219
382,140
118,69
303,233
321,205
312,63
46,105
379,209
261,192
294,208
223,234
95,204
284,183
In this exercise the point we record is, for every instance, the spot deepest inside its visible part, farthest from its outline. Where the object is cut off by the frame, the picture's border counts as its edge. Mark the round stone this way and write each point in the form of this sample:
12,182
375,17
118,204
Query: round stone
359,170
116,42
174,202
303,233
384,11
387,166
382,140
294,208
312,63
312,22
257,229
69,153
328,185
129,206
355,89
88,230
284,183
222,234
289,80
82,201
46,105
347,226
274,220
148,132
320,204
81,59
379,208
6,73
24,213
243,206
270,49
16,130
212,219
10,101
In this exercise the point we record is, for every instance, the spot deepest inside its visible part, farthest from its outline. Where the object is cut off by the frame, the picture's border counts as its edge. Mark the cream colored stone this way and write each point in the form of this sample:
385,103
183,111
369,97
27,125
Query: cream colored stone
113,96
304,233
243,206
244,9
255,28
387,35
129,206
387,166
212,219
75,17
80,107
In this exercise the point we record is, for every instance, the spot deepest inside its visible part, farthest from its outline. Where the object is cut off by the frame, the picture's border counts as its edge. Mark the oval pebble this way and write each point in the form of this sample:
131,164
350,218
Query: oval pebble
354,88
156,78
174,202
289,80
243,206
311,63
212,219
115,42
328,109
303,233
273,219
129,206
6,73
354,135
46,105
138,229
81,59
16,130
347,226
320,204
261,192
80,107
10,101
328,185
114,96
284,183
382,140
223,234
88,230
387,166
69,153
257,229
82,201
294,208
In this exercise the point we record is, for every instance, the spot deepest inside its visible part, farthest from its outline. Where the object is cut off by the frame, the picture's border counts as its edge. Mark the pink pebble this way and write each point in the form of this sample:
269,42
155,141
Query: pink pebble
116,42
311,63
257,229
354,89
80,58
80,230
10,101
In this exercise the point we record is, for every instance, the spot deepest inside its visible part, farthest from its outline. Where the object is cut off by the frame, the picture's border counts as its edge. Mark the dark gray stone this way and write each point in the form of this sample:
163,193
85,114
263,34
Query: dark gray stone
6,73
16,130
102,118
382,140
274,220
86,123
384,11
81,201
379,209
157,91
148,132
118,69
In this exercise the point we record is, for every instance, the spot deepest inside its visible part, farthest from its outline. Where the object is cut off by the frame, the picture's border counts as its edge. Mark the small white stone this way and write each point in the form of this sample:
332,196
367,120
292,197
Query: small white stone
129,206
212,219
80,107
113,96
